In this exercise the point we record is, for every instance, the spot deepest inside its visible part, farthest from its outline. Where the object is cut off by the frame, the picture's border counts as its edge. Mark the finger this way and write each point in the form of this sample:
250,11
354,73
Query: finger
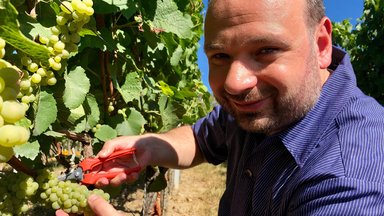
132,177
101,207
61,213
102,182
119,179
113,145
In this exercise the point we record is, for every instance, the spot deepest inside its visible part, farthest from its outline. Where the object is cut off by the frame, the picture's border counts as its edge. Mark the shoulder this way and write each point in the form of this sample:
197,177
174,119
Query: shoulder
361,137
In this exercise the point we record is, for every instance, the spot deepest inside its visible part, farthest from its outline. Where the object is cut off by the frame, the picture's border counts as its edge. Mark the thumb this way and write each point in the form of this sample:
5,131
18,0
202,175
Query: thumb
100,206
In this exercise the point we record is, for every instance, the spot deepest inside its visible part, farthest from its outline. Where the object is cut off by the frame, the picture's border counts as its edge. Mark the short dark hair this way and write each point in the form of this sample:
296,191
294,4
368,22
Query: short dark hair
315,11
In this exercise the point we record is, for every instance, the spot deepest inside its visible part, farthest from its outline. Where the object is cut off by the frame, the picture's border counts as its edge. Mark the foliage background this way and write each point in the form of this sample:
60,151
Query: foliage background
364,42
134,71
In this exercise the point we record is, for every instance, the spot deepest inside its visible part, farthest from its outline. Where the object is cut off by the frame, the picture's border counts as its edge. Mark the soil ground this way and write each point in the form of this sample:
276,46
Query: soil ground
198,193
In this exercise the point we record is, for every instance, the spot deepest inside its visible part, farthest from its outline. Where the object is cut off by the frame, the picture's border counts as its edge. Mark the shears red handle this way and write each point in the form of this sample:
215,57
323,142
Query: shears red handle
87,165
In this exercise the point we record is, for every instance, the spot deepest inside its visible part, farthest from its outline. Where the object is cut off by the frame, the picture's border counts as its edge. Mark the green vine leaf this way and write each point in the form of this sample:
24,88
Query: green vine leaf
46,113
54,134
10,32
169,19
168,111
29,150
92,113
131,89
176,56
112,6
77,86
133,125
105,133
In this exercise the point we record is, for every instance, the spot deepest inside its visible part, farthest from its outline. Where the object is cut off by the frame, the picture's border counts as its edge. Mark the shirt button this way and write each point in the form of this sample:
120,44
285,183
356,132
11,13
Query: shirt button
248,172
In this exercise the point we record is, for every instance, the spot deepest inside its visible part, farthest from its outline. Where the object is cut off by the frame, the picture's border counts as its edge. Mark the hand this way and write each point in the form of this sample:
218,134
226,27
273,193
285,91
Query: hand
119,164
98,205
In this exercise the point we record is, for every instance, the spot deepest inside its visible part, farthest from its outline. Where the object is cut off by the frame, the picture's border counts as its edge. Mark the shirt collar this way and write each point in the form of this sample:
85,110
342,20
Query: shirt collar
302,137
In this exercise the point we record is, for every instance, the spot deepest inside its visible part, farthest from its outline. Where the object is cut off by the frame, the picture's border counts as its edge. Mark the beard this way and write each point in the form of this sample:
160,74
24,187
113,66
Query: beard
285,109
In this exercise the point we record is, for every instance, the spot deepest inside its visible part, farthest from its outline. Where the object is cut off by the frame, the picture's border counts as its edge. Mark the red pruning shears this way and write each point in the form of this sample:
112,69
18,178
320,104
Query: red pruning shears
86,174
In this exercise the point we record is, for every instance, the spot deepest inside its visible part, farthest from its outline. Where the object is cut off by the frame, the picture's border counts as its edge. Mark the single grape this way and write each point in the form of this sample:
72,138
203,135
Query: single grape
43,40
25,61
111,108
25,84
89,3
57,59
56,66
2,43
2,53
72,27
12,111
55,205
59,46
89,11
66,7
54,39
55,30
77,16
64,54
53,197
1,102
51,81
6,153
33,67
61,20
11,135
2,84
42,72
1,121
36,78
75,37
32,97
51,61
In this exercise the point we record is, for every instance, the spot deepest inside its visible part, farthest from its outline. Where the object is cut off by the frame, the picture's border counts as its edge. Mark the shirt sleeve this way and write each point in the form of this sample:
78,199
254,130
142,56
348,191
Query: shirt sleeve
210,133
338,196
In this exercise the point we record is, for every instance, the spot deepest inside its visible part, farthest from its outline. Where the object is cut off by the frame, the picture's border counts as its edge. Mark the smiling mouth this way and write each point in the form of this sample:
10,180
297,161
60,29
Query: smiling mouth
249,106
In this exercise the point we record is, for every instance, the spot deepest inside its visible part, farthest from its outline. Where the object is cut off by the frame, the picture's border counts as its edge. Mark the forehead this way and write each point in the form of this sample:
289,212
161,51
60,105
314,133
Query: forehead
232,10
239,17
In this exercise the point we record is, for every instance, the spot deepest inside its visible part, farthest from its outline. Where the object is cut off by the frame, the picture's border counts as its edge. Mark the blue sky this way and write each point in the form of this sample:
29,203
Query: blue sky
336,10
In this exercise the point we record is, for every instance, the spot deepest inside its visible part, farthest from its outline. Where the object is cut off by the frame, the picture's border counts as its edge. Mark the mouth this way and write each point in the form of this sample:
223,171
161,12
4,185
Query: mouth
250,106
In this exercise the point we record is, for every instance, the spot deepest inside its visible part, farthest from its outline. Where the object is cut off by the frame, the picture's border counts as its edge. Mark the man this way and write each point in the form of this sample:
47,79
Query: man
298,136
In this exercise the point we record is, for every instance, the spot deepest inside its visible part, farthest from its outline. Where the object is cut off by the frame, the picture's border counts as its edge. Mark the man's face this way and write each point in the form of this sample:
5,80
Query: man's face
263,65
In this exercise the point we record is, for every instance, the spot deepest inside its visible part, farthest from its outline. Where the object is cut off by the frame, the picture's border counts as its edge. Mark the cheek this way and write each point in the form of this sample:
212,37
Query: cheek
286,77
216,80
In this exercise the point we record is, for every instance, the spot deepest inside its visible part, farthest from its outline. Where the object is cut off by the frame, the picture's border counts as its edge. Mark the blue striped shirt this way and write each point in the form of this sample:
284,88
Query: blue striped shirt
329,163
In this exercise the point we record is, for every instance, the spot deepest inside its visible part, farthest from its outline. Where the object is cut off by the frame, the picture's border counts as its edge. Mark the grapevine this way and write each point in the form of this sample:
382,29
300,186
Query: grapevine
66,195
16,193
19,192
76,73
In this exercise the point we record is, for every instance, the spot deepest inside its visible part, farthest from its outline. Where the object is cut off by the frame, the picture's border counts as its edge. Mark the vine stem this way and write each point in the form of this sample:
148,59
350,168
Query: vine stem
20,167
84,138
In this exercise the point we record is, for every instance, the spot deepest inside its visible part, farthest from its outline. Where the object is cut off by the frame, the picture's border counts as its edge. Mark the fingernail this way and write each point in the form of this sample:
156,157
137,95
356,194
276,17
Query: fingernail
92,197
103,153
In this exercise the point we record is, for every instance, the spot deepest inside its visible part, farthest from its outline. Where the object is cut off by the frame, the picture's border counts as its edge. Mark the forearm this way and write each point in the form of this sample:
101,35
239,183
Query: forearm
174,149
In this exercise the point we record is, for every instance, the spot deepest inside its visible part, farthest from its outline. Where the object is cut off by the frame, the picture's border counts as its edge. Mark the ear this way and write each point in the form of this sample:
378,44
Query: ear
324,42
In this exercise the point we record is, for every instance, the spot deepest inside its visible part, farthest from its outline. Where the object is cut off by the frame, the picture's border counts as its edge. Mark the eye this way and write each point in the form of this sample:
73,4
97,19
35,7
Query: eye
269,50
219,58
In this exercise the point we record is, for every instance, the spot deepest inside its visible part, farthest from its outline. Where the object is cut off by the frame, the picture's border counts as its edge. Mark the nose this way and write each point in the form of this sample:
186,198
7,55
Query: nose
240,78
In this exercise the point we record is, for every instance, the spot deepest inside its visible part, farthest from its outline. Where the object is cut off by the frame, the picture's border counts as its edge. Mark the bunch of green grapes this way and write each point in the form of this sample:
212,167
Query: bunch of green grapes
62,42
66,195
16,193
11,111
